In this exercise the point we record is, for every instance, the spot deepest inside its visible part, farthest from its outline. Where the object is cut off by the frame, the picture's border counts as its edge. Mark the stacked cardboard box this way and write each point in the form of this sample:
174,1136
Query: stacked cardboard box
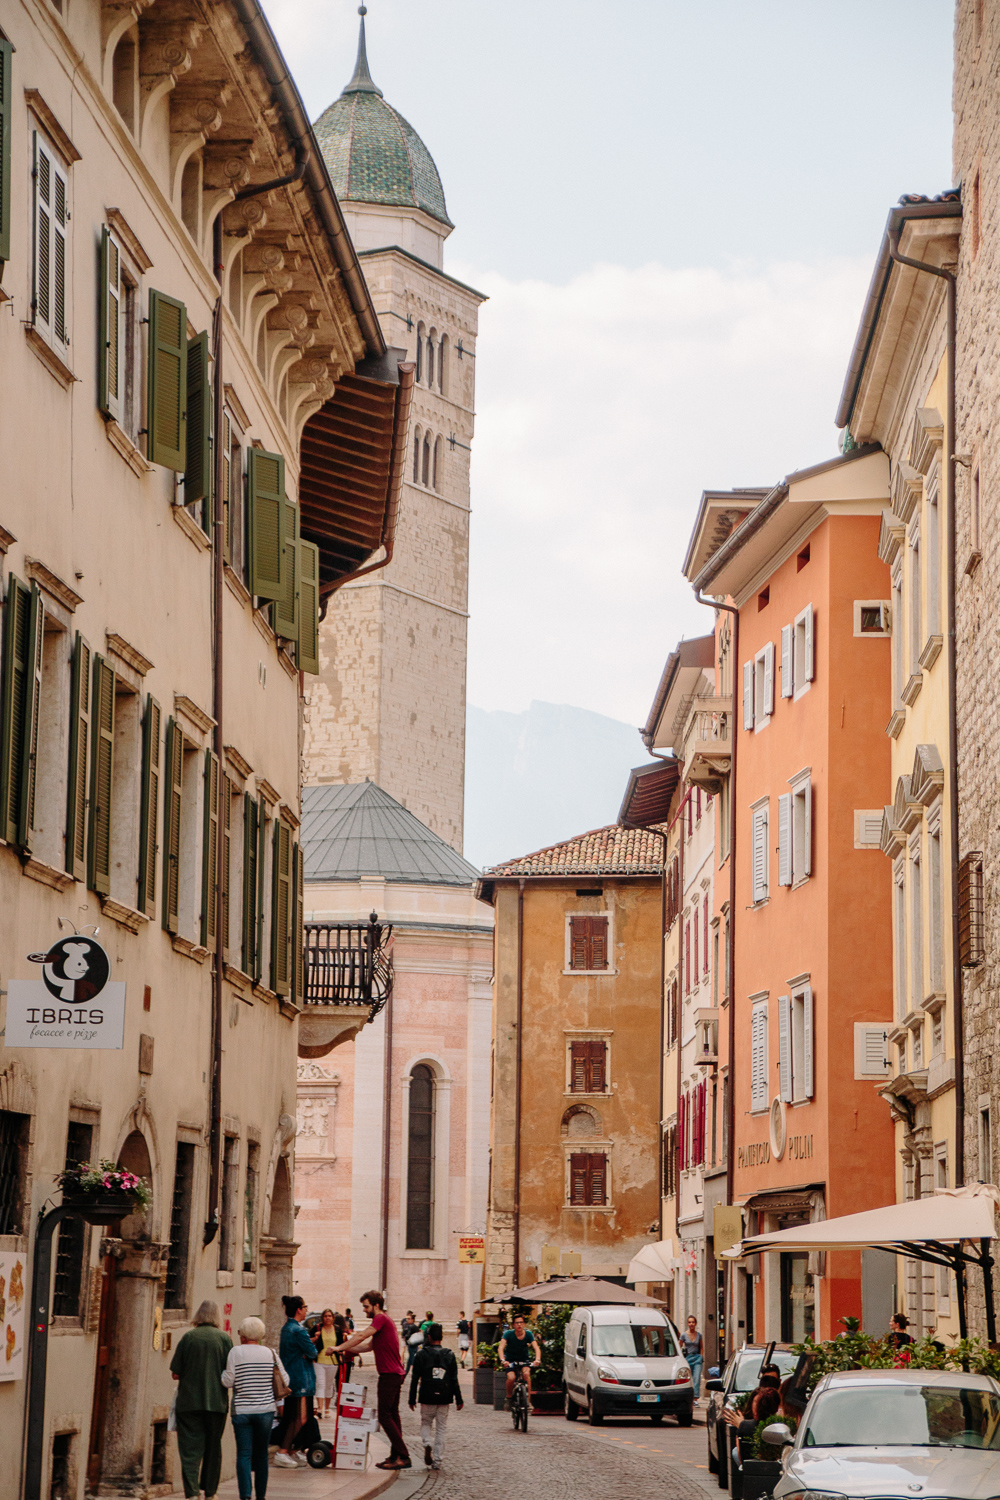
355,1421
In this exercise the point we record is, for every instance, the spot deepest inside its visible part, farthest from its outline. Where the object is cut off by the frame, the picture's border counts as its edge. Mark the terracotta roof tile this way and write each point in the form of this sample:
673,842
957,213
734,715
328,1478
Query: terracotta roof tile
603,851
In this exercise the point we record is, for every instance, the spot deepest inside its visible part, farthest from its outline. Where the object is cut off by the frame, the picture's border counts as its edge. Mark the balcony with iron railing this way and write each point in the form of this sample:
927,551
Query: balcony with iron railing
347,979
707,742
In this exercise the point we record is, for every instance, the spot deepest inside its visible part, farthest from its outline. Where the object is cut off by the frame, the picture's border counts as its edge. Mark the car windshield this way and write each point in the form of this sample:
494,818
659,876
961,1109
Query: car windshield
748,1368
874,1416
626,1340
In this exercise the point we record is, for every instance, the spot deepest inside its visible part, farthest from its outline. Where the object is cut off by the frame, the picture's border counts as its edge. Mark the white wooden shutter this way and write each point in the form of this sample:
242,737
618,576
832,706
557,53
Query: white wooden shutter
807,1043
809,664
111,331
871,1050
785,1047
807,827
769,678
787,683
760,854
748,695
50,258
758,1058
785,839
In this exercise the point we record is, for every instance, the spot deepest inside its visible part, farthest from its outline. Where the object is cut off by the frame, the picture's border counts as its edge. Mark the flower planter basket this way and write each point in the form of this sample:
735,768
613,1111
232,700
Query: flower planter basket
482,1386
102,1208
547,1401
759,1477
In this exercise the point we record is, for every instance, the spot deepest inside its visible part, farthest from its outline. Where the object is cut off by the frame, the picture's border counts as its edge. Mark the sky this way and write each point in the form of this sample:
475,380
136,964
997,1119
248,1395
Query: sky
674,210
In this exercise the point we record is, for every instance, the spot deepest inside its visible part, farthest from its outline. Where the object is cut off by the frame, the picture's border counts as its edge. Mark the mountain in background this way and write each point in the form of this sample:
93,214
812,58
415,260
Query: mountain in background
538,777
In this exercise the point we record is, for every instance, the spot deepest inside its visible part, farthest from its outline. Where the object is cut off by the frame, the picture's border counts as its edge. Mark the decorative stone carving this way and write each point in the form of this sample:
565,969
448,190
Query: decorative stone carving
164,56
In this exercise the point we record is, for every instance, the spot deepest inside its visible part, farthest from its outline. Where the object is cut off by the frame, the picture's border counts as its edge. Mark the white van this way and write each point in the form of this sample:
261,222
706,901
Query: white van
625,1361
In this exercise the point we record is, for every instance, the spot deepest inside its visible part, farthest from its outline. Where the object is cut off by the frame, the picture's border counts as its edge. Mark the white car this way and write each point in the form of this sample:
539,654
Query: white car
901,1433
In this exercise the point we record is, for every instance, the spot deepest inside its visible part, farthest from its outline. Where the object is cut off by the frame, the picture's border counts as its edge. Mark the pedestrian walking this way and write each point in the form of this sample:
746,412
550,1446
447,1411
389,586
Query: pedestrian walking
299,1358
413,1339
464,1336
435,1385
201,1402
325,1340
383,1340
694,1352
249,1374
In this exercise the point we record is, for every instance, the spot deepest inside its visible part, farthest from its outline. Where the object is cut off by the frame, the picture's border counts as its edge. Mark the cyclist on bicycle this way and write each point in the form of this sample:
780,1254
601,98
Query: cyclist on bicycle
520,1350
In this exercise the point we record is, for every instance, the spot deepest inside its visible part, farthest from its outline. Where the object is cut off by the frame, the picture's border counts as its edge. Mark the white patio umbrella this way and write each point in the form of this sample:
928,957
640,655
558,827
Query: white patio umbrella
652,1263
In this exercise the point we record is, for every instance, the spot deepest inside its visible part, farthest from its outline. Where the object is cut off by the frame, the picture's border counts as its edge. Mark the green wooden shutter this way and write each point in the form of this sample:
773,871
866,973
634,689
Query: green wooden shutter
226,834
298,926
210,851
79,761
248,957
173,777
102,762
150,807
281,907
6,110
227,487
166,383
258,970
307,649
32,709
13,689
109,380
286,609
198,470
266,489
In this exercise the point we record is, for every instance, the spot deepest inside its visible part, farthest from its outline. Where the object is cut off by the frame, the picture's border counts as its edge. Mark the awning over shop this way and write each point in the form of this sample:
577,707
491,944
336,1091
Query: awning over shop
649,793
582,1291
935,1229
652,1263
353,458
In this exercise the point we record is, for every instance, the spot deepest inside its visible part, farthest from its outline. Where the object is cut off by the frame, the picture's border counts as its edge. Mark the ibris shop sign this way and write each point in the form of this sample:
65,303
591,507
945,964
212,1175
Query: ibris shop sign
74,1004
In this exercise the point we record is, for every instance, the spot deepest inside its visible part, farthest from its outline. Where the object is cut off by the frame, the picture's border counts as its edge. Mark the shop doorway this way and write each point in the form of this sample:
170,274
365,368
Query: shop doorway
798,1300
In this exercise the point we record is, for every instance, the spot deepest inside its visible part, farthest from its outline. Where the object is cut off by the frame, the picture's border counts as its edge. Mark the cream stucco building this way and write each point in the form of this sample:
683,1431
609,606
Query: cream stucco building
172,261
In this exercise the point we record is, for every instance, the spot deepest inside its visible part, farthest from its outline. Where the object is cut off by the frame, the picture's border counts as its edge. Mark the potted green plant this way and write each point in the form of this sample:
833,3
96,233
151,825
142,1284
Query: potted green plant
547,1390
762,1471
103,1192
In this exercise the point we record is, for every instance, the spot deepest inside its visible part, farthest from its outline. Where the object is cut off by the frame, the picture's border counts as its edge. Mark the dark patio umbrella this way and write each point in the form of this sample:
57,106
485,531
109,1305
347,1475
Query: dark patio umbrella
583,1290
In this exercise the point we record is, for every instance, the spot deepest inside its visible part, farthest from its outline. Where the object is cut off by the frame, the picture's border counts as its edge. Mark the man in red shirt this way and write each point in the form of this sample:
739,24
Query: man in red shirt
383,1340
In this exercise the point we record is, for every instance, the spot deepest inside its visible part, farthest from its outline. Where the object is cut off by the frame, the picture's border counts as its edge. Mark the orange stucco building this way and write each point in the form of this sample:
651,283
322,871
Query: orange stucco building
813,967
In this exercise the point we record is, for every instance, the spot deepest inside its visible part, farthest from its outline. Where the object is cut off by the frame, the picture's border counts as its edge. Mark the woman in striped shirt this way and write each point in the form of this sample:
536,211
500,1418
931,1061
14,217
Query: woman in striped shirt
249,1373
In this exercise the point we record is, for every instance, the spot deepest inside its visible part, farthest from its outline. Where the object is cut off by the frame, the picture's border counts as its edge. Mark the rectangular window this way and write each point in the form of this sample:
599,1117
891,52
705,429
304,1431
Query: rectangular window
227,1211
126,792
916,931
694,931
758,1057
970,910
687,958
250,1207
763,690
801,814
933,552
180,1227
759,847
748,694
935,904
72,1243
13,1159
899,912
670,1161
715,965
49,308
588,943
803,653
787,673
588,1067
724,820
914,584
802,1043
898,680
975,516
985,1144
588,1179
704,950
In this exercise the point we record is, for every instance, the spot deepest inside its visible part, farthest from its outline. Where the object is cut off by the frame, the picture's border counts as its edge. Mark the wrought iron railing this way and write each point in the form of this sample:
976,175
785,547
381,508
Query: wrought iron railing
348,963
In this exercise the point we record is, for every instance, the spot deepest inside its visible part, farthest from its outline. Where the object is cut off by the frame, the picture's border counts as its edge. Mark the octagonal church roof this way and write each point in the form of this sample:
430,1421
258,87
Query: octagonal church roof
373,154
355,830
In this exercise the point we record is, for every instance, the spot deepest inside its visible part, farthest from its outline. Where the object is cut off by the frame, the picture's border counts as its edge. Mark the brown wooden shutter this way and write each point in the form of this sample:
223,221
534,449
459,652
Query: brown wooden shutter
79,761
579,932
248,959
598,943
597,1053
598,1179
578,1067
579,1166
150,807
173,777
102,762
210,851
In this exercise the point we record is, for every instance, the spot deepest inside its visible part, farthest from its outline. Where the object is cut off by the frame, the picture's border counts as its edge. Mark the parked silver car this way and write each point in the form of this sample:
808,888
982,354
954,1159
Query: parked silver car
878,1433
625,1361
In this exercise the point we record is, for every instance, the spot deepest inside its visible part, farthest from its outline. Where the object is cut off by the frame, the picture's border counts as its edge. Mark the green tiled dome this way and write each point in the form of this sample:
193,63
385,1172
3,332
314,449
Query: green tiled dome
373,154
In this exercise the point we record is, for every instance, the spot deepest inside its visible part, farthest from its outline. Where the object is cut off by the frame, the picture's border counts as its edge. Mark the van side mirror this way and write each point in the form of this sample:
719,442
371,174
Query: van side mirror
778,1435
715,1385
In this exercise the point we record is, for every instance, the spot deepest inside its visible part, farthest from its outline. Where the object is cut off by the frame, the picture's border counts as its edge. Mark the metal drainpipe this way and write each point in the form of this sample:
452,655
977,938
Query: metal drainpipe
949,279
517,1083
218,591
731,609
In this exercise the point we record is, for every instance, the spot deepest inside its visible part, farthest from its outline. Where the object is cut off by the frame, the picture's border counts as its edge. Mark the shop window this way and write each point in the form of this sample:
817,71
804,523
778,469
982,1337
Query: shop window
13,1157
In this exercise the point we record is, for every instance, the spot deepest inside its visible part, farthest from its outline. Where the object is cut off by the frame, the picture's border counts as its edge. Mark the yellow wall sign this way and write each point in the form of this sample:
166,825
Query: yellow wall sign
471,1250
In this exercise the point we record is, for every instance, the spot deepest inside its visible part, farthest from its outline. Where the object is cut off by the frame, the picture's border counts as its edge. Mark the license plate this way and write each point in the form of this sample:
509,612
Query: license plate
649,1398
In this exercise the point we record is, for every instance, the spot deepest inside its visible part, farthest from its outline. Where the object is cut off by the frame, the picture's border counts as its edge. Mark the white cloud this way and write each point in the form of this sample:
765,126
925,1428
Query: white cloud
605,406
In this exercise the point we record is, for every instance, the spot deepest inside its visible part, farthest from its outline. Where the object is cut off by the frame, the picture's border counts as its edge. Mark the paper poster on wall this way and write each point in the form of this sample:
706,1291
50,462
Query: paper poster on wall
12,1300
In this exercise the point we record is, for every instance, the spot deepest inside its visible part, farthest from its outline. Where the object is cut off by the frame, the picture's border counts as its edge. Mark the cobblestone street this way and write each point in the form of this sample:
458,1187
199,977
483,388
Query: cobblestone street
485,1459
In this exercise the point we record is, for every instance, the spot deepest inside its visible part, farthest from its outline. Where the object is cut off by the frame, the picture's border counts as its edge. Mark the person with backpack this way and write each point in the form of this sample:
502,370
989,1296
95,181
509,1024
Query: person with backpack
435,1385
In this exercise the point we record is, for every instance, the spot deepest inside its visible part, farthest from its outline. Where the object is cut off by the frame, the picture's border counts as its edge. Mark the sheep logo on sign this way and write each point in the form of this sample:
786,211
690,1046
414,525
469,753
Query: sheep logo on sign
74,970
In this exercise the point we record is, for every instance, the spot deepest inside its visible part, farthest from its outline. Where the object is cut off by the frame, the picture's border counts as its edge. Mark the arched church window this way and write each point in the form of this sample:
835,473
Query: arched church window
437,462
443,365
416,456
420,352
426,475
431,339
420,1160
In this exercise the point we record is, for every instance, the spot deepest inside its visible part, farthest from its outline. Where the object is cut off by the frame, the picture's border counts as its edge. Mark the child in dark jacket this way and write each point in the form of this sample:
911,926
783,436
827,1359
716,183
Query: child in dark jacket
435,1385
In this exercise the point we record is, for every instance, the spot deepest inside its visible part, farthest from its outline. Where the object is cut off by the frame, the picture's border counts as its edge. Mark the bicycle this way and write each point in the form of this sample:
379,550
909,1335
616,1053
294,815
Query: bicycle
520,1403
